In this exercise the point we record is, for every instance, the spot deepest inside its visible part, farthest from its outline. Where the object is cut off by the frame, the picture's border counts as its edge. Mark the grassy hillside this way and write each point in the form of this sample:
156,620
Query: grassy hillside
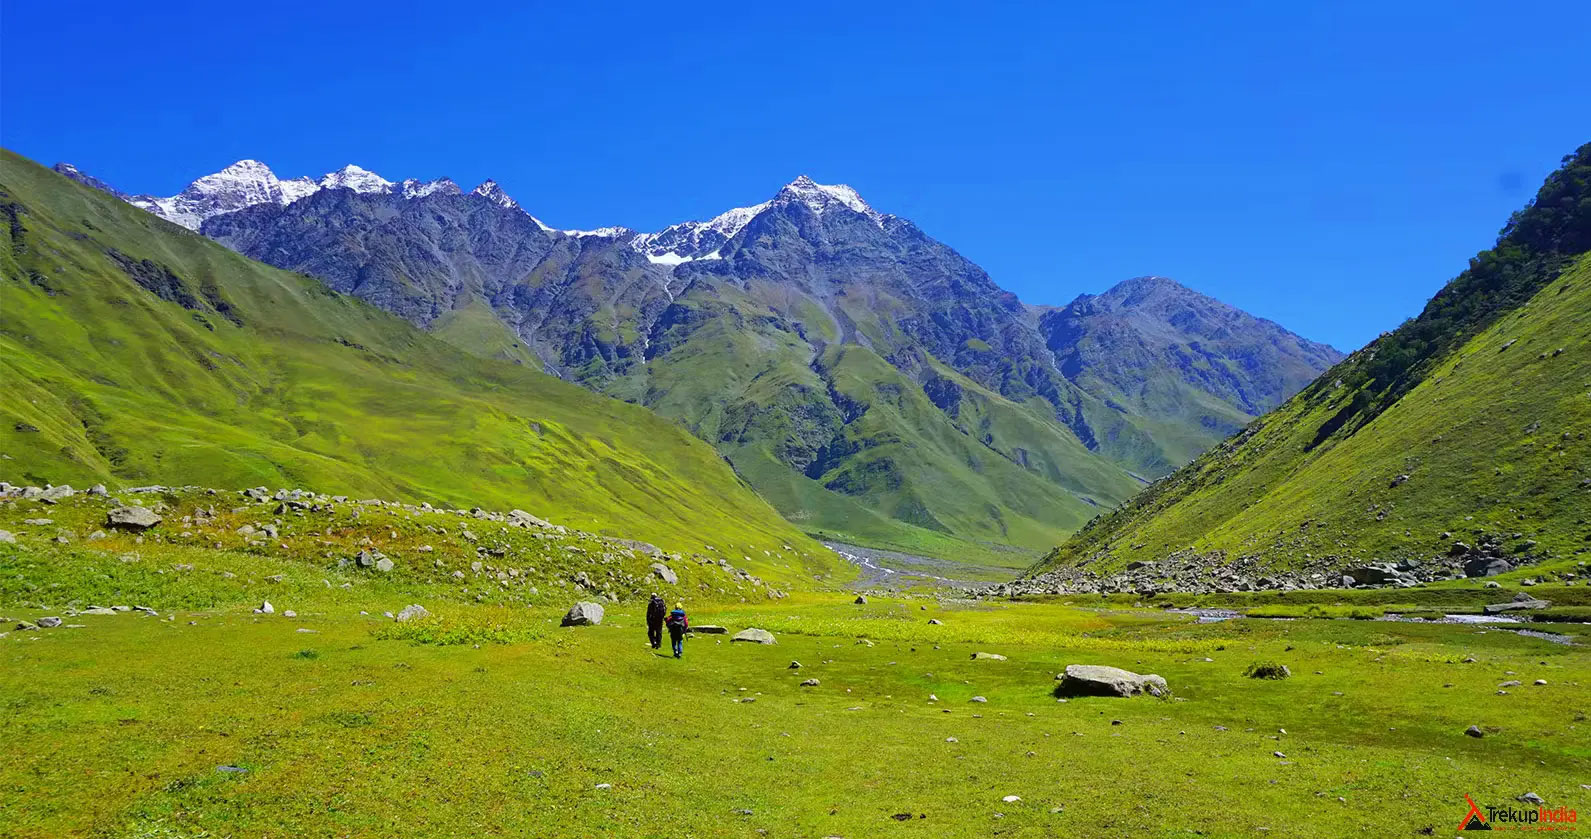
134,351
1483,402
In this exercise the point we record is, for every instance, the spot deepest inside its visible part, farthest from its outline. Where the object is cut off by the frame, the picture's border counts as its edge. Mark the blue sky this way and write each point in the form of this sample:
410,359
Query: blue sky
1326,165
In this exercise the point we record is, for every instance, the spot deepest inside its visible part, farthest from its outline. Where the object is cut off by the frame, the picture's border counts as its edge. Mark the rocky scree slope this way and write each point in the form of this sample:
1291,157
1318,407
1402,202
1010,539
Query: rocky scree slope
1459,439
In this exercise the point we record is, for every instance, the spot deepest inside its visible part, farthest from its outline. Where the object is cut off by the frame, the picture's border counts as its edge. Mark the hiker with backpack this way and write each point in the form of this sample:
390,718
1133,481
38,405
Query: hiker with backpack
656,611
677,624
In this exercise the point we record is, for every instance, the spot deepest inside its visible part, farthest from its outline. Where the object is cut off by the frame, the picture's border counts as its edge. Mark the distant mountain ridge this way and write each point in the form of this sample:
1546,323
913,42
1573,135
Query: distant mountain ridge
1163,351
869,380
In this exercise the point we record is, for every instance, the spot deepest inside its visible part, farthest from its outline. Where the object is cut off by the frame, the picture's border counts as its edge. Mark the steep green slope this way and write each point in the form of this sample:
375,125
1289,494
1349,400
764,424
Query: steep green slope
133,351
1470,420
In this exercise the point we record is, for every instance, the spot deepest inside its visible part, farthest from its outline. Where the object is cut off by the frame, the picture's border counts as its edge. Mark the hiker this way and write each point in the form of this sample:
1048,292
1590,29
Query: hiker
656,610
677,624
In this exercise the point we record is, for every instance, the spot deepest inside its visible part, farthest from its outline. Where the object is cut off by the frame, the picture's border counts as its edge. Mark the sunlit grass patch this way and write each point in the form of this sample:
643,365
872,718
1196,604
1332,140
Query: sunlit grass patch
470,625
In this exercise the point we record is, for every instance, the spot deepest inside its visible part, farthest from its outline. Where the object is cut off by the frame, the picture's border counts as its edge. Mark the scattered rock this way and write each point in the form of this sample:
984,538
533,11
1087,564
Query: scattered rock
413,611
7,537
1532,798
709,629
664,573
810,683
754,636
132,518
987,657
584,613
49,623
861,599
977,699
1099,680
384,565
794,665
266,609
935,622
1475,731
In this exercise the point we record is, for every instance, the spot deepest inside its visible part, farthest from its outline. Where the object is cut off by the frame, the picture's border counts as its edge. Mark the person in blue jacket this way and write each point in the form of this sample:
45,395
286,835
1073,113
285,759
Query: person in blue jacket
677,624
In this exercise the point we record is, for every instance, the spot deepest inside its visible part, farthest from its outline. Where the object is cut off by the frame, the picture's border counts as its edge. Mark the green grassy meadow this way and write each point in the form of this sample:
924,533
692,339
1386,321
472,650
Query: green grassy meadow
489,719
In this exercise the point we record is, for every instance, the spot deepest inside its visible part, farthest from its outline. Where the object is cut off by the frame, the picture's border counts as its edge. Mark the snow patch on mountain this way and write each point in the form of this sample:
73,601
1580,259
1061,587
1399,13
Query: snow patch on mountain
355,178
297,188
602,232
414,188
692,240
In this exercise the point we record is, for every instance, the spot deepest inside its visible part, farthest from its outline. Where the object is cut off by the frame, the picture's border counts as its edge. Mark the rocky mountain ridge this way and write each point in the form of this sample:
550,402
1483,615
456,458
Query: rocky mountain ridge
816,341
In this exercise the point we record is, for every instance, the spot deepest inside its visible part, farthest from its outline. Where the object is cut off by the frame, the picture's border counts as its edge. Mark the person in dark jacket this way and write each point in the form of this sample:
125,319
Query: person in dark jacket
656,610
677,624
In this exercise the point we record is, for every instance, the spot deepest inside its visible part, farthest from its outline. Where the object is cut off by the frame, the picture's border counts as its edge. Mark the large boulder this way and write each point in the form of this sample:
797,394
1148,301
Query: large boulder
1379,573
55,494
1486,566
1099,680
664,573
753,636
1523,601
527,520
584,613
132,518
644,547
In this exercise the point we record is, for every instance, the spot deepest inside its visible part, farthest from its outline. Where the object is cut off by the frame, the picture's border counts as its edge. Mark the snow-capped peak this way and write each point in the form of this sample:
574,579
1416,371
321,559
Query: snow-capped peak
357,179
494,193
821,197
243,184
694,240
